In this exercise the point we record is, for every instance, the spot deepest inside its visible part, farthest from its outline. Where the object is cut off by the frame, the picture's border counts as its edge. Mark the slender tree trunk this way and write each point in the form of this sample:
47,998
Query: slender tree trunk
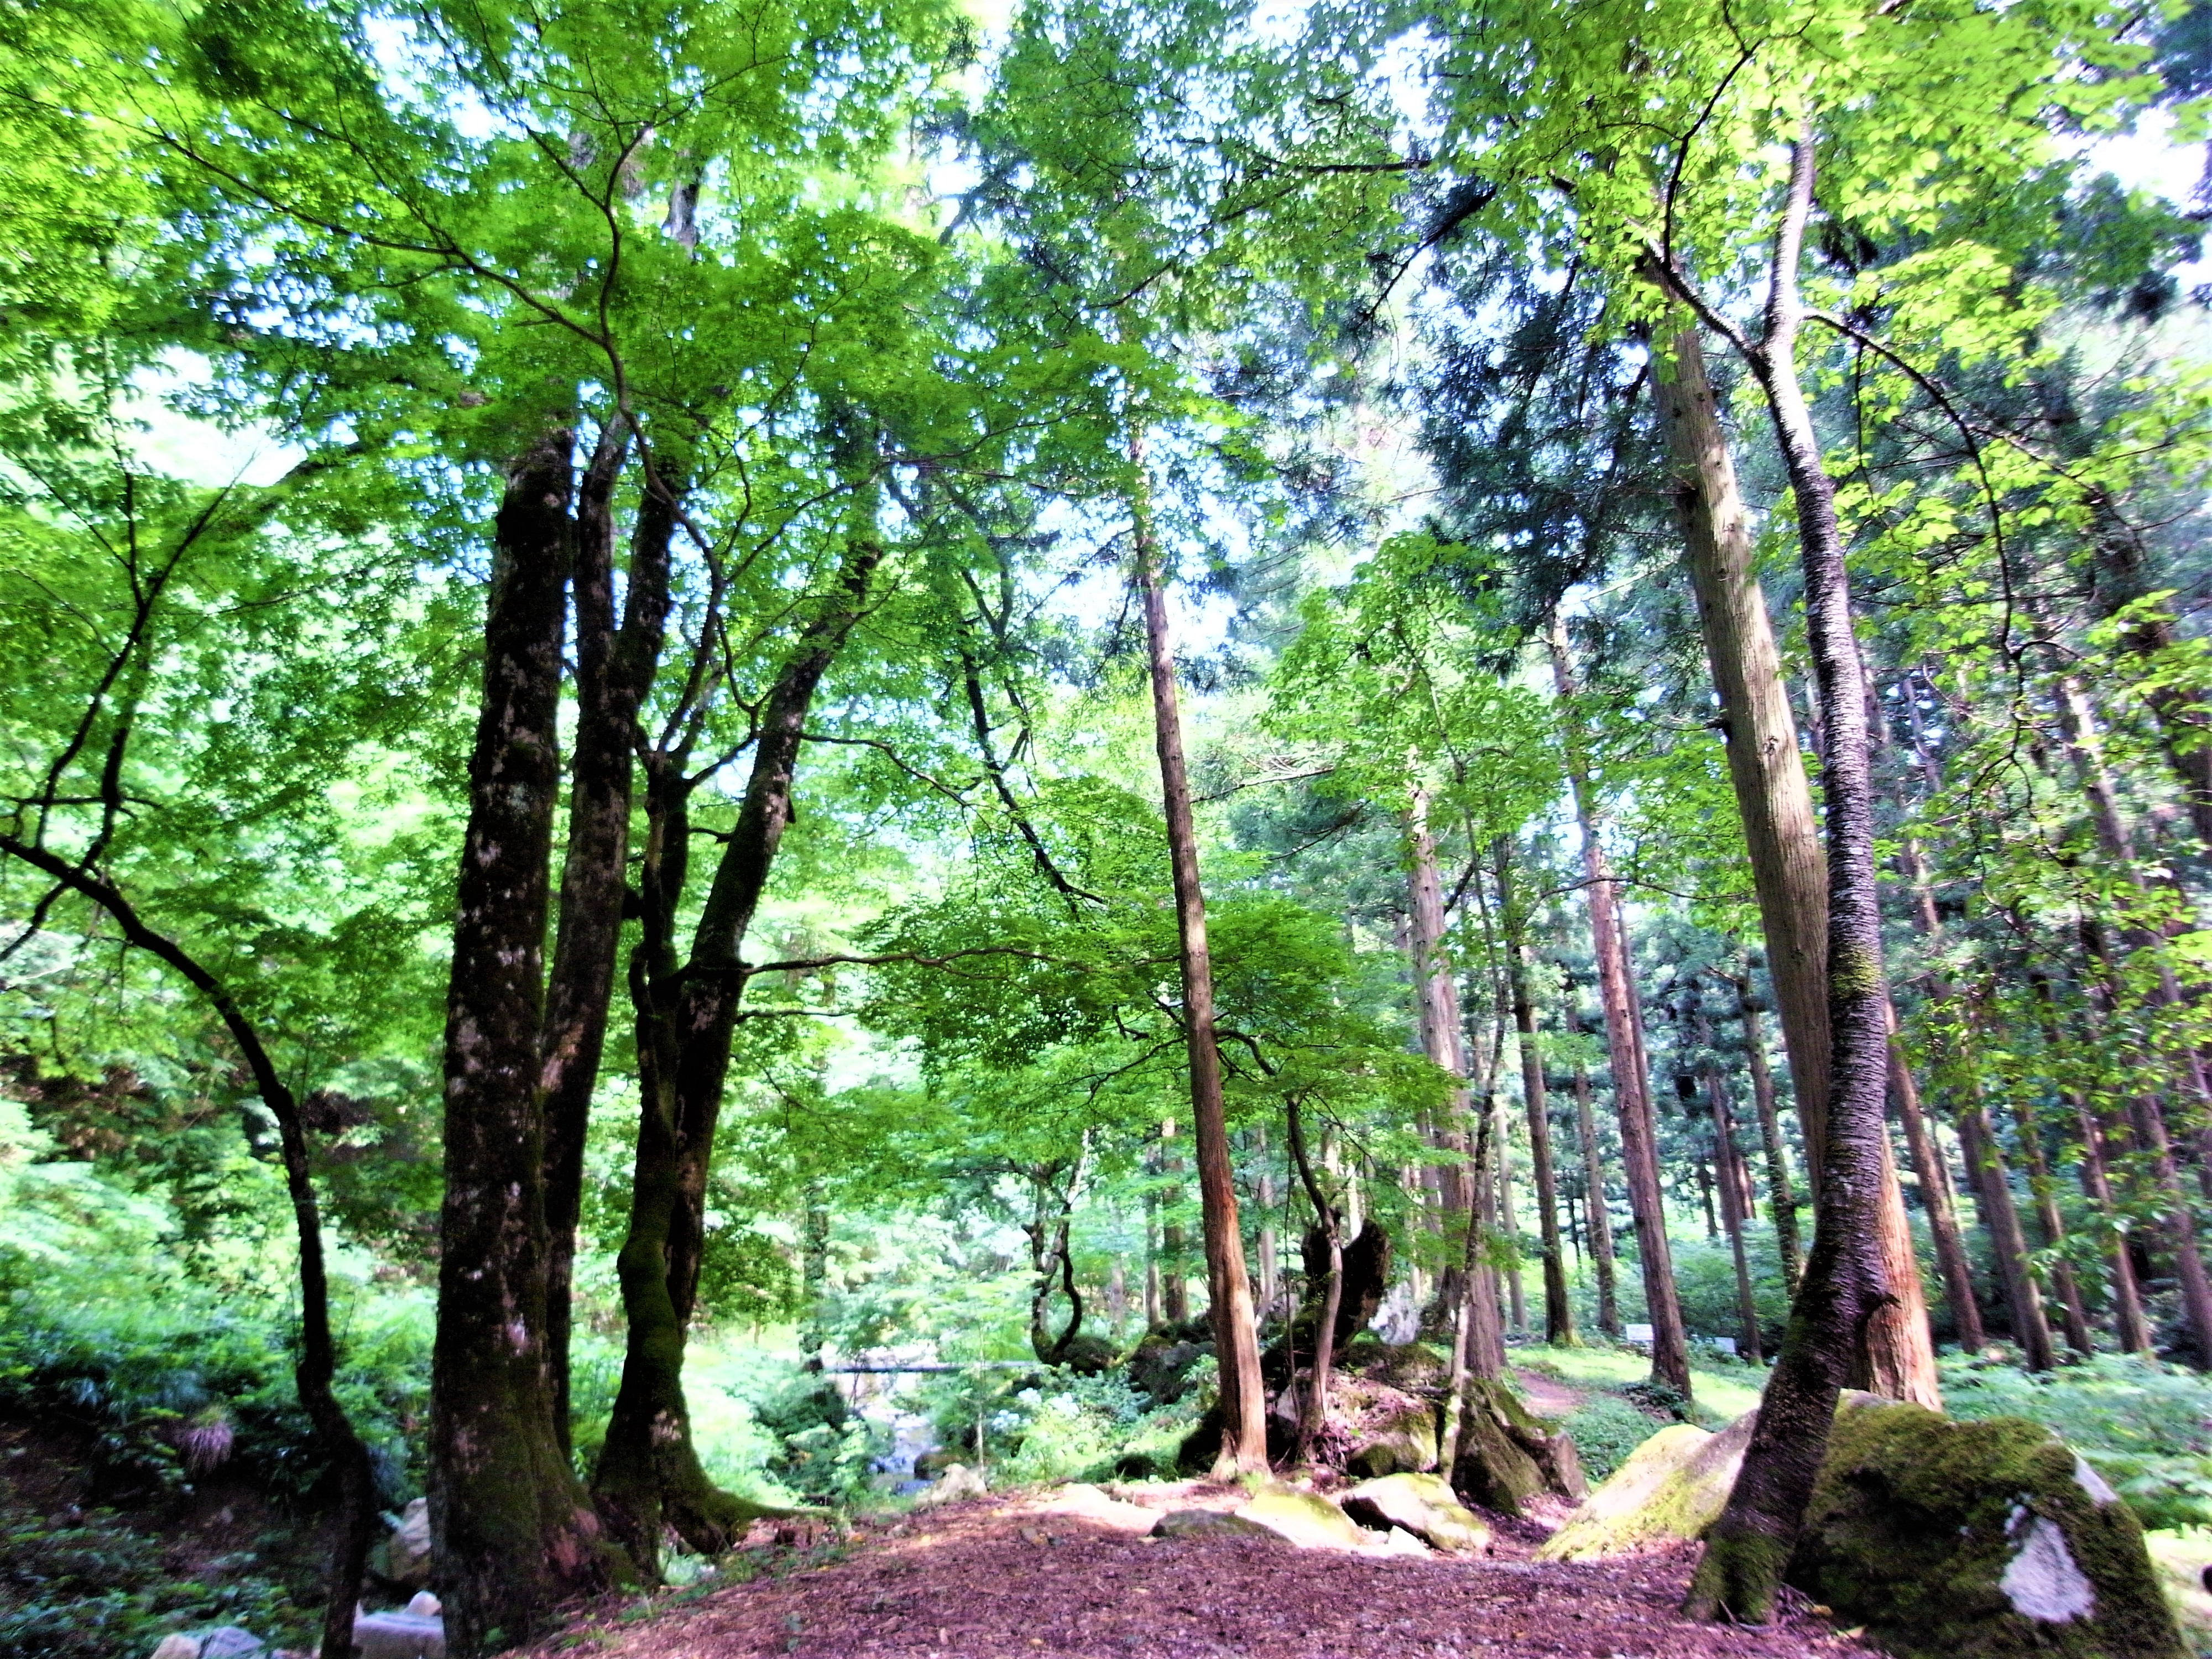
1847,1281
2050,1227
1509,1227
1559,1311
1601,1221
1263,1194
1463,1186
1313,1407
1174,1279
1243,1405
1670,1354
1781,1196
2001,1218
649,1477
1776,804
513,1533
1733,1186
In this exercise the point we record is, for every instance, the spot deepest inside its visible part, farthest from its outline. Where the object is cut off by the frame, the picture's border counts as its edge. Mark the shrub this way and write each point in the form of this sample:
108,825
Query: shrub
1606,1429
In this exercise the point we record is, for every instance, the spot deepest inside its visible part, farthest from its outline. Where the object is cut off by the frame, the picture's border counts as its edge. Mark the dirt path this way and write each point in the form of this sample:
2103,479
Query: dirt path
1547,1396
1006,1576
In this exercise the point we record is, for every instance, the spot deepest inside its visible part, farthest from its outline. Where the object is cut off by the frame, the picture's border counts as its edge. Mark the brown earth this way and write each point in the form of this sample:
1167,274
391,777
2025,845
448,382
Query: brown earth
1008,1577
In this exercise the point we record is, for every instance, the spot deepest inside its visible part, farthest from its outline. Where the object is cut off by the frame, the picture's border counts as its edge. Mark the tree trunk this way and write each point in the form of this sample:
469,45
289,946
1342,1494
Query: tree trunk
615,669
1985,1166
1559,1311
1463,1187
649,1477
1732,1206
1313,1407
1781,1197
513,1533
1847,1281
1244,1406
1788,872
1175,1281
1593,1198
2051,1228
1670,1354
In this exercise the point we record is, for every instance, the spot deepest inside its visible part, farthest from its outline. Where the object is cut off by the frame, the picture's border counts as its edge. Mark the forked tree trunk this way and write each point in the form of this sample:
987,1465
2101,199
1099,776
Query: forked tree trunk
1847,1281
1789,873
649,1477
513,1533
1243,1404
615,669
1594,1194
1670,1353
1312,1407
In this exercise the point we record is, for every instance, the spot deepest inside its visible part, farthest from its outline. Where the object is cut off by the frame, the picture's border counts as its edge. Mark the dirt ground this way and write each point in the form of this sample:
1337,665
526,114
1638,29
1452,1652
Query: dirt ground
1023,1576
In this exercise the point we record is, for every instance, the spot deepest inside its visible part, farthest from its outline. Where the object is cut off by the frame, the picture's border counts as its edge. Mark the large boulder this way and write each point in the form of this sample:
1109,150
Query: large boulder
403,1556
1209,1523
1161,1365
1388,1431
399,1635
1671,1487
1421,1504
957,1482
1306,1519
1507,1454
1977,1541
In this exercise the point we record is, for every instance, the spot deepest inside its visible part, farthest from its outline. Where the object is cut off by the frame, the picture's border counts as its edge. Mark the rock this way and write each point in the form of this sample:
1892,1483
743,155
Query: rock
1209,1523
177,1646
397,1636
1160,1367
1670,1489
230,1643
1399,1541
1401,1439
1088,1503
403,1556
1507,1454
1421,1504
933,1463
425,1606
1306,1519
1976,1541
958,1481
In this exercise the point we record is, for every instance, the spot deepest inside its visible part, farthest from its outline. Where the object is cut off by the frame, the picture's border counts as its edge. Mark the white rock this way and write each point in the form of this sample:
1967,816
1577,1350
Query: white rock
958,1481
399,1635
425,1606
2042,1581
177,1646
2092,1482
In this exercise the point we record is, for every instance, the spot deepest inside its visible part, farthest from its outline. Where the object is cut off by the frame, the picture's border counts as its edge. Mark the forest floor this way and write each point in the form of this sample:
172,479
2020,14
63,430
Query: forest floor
1062,1571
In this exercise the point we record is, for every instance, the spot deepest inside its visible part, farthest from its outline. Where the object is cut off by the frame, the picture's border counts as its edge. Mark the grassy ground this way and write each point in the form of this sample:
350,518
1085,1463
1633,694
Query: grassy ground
1721,1393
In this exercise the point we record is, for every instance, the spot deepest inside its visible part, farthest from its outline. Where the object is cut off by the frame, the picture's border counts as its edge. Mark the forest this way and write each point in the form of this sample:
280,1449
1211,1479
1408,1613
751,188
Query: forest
773,765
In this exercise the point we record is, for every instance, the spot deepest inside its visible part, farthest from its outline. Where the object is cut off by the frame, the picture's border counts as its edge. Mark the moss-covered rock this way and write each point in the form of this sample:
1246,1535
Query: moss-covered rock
1976,1541
1389,1432
1671,1487
1306,1519
1507,1454
1209,1523
1421,1504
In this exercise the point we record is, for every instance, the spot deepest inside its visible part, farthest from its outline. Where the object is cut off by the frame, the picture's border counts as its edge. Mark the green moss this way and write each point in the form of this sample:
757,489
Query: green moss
1915,1519
1737,1578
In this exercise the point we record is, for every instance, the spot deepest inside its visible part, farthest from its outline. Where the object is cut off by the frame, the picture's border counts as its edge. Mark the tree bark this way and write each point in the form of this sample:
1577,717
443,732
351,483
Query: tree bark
1732,1206
1244,1406
513,1533
1847,1281
649,1476
2050,1227
1936,1197
1670,1354
1776,805
1594,1193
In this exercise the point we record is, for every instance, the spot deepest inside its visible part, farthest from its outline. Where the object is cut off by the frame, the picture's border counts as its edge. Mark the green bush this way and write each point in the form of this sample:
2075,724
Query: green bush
1605,1429
2145,1426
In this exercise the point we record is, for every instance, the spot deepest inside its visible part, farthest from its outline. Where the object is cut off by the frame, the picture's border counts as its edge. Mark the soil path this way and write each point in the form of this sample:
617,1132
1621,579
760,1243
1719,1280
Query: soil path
1547,1396
1008,1577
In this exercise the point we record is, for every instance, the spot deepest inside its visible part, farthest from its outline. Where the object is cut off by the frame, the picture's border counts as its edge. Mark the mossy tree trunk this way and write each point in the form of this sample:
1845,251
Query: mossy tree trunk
513,1533
1775,802
615,670
648,1475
